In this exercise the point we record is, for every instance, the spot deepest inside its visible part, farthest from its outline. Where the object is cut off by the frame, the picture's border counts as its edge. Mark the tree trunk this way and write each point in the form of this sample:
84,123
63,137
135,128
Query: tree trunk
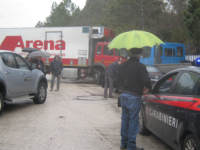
142,14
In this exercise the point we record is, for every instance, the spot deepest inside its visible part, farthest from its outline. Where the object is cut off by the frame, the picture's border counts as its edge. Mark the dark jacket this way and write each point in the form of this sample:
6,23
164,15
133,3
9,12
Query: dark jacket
136,77
112,69
38,62
56,66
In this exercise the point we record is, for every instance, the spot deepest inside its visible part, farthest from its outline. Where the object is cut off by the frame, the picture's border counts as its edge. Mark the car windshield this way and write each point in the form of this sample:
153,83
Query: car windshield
152,69
146,52
121,52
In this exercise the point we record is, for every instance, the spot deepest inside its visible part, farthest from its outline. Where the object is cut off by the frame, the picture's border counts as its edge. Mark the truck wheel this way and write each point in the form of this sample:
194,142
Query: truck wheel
142,128
1,104
96,78
191,143
41,94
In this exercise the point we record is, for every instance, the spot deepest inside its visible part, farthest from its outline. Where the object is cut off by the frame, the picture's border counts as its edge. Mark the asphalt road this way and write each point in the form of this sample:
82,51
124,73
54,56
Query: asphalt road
75,118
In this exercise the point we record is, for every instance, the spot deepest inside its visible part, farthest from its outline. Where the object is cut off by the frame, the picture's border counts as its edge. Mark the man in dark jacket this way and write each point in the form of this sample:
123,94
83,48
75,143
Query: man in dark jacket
56,67
134,81
110,74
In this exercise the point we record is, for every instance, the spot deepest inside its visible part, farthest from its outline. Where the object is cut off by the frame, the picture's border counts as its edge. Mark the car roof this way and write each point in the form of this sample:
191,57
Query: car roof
3,51
191,68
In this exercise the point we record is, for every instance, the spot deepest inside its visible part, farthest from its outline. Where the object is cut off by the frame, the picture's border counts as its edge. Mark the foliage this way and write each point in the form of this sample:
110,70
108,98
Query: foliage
162,18
192,20
61,14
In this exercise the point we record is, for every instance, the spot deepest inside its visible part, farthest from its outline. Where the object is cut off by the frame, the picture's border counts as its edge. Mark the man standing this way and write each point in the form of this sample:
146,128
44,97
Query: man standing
56,67
110,74
134,81
40,64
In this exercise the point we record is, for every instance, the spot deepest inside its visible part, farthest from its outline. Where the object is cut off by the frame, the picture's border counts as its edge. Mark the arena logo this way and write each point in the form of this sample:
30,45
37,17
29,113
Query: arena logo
12,42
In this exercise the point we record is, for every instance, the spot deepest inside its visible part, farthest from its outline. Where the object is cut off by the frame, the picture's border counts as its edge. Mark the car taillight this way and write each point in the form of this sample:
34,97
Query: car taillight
170,79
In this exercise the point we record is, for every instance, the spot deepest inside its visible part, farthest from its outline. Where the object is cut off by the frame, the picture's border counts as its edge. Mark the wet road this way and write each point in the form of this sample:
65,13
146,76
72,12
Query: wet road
75,118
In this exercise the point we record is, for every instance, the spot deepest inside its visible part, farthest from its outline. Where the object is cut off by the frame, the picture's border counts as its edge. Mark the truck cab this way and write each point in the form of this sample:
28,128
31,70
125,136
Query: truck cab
168,53
104,57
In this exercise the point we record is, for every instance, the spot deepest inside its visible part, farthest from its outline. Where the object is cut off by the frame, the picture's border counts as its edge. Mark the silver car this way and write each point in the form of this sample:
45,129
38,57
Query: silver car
18,79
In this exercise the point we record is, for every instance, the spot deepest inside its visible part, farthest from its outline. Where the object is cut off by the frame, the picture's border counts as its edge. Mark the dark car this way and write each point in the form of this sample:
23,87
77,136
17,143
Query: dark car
172,109
154,73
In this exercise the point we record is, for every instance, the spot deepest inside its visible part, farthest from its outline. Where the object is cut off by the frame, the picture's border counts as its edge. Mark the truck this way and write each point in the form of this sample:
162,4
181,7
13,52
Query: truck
83,49
167,56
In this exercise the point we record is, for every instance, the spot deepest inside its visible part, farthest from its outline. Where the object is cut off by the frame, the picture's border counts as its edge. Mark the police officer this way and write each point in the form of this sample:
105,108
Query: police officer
134,81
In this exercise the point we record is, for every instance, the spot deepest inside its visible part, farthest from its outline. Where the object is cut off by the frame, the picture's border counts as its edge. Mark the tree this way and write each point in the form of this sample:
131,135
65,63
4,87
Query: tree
192,20
60,14
142,14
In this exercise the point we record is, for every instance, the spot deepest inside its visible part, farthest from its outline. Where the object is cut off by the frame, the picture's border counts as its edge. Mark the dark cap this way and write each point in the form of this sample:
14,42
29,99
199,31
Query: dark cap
136,50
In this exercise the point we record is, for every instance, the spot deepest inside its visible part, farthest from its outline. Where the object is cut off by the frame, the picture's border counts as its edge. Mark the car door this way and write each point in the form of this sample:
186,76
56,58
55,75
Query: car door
26,78
13,76
155,104
176,106
108,56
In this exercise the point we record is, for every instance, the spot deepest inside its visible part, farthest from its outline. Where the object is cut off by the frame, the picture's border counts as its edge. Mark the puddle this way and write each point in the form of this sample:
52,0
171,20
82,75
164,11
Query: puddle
89,98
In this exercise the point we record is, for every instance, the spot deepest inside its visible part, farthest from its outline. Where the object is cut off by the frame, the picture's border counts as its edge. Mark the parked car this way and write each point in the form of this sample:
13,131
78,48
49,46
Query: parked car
18,79
172,109
154,73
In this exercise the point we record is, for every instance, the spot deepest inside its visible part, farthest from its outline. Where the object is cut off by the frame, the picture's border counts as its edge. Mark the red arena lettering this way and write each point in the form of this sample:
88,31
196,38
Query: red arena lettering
28,43
38,43
12,42
46,43
57,47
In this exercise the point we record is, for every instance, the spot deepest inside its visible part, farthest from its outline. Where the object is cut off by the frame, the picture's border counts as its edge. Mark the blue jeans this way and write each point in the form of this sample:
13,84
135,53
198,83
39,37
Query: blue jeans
130,120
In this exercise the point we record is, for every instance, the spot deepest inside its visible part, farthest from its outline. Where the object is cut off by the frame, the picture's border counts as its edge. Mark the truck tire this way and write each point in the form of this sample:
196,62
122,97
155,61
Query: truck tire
191,142
1,104
142,128
97,79
41,94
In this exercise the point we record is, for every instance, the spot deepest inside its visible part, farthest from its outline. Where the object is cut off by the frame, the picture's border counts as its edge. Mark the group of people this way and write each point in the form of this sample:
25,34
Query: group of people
134,81
56,67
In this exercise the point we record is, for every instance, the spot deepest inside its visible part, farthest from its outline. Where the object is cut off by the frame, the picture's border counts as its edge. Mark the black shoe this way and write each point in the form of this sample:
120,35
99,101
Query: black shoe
123,148
137,148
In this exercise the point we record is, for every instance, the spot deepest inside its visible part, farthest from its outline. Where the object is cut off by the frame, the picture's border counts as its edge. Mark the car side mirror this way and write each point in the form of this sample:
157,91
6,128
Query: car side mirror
33,66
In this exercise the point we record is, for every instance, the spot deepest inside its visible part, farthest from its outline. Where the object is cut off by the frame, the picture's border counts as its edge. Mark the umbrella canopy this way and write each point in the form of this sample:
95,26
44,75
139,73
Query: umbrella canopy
30,49
38,54
134,39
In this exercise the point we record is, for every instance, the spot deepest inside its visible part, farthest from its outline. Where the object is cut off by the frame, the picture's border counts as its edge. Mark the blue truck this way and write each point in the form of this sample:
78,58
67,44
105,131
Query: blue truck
167,57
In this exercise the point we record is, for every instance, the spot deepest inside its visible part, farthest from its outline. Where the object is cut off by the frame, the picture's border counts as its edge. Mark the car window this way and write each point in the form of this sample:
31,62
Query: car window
163,86
196,90
1,56
186,84
9,60
152,69
21,63
99,50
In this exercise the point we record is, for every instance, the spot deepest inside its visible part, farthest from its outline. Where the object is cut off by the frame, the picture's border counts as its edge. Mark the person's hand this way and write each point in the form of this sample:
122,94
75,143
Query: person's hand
39,66
145,90
50,73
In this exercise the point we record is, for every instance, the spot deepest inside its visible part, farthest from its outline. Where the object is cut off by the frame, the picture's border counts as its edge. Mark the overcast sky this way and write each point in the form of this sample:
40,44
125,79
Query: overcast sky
26,13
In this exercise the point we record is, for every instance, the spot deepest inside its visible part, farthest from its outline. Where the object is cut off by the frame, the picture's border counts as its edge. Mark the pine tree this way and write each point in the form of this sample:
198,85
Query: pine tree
192,20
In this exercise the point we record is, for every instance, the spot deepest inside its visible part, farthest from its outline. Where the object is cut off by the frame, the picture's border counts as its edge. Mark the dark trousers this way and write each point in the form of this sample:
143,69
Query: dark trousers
108,82
53,79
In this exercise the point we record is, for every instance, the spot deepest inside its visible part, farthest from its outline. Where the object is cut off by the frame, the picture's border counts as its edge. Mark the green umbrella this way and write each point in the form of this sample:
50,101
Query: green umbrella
134,39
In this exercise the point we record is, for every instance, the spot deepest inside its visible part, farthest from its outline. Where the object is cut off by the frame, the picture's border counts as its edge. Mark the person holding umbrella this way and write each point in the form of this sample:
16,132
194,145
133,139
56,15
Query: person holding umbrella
134,81
56,67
